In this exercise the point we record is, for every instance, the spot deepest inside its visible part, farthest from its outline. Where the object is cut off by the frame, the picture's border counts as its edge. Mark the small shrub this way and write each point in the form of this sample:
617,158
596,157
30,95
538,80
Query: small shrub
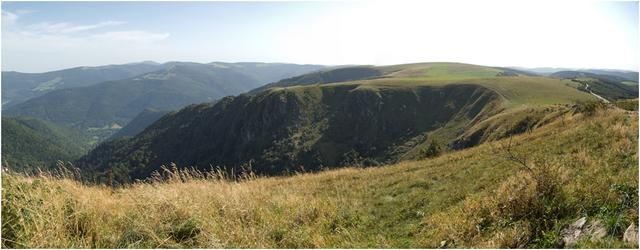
134,237
613,213
185,230
628,104
21,208
516,198
277,235
515,236
459,226
353,159
589,108
433,150
78,223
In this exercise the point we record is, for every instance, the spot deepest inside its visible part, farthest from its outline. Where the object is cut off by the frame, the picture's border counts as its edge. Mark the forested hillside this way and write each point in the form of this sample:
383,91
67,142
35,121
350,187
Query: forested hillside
30,143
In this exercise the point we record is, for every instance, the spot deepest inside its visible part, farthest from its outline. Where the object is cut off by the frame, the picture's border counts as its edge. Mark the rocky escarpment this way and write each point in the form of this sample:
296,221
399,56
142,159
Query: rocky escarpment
286,130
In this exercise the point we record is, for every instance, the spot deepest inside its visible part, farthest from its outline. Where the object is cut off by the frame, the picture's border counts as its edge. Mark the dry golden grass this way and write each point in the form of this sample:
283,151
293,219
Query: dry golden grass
470,198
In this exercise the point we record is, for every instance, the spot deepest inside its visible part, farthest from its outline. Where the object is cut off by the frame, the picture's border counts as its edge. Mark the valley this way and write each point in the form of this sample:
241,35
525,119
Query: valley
416,155
95,108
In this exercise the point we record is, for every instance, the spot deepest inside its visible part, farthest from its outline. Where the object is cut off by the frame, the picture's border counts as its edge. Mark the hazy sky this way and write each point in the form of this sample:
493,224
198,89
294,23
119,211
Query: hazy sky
45,36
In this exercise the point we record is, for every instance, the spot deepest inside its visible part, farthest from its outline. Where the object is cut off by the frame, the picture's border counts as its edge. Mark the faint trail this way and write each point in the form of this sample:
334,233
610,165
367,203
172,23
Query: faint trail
599,97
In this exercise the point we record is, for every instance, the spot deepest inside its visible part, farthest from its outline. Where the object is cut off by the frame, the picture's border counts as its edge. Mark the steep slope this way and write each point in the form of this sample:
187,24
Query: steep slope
281,131
396,116
584,166
28,143
18,87
178,85
139,123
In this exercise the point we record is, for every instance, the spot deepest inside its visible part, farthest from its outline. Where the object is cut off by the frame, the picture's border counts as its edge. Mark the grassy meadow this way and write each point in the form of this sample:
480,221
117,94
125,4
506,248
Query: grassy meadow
580,164
516,90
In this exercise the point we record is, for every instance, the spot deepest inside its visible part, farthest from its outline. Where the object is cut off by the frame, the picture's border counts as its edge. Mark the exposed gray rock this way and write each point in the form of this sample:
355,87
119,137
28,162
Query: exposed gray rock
443,244
631,234
580,229
571,234
595,230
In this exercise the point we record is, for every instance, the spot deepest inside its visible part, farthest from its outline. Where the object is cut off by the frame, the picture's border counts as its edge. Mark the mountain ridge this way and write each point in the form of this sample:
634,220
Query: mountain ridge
18,87
177,85
312,125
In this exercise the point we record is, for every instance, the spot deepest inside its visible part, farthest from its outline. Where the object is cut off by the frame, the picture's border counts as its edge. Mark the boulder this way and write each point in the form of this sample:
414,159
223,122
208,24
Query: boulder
631,234
571,234
443,244
580,229
595,230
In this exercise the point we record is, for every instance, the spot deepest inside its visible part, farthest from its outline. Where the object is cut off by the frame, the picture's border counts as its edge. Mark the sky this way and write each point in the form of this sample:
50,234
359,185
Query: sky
46,36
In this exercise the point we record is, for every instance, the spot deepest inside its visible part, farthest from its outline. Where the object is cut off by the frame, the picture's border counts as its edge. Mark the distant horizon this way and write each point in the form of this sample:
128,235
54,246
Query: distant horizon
326,65
49,36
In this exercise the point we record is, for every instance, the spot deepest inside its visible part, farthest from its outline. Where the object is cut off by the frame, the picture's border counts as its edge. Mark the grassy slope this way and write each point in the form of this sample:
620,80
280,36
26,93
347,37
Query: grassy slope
442,71
534,90
466,198
517,90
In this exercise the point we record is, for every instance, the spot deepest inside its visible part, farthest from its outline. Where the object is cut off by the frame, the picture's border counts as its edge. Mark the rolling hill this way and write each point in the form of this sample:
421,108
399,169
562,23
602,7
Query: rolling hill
394,116
430,71
18,87
29,143
177,85
627,75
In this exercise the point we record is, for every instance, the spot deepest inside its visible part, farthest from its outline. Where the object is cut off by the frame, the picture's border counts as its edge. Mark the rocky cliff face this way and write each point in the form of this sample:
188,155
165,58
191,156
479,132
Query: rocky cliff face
297,128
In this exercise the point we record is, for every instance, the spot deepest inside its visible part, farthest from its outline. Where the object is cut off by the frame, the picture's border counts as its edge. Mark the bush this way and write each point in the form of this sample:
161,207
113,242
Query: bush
184,230
433,150
516,198
535,198
523,212
589,108
627,104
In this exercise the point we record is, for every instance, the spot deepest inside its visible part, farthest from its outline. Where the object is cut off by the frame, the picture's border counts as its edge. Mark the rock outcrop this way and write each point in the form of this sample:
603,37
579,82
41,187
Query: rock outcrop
580,229
308,128
631,234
